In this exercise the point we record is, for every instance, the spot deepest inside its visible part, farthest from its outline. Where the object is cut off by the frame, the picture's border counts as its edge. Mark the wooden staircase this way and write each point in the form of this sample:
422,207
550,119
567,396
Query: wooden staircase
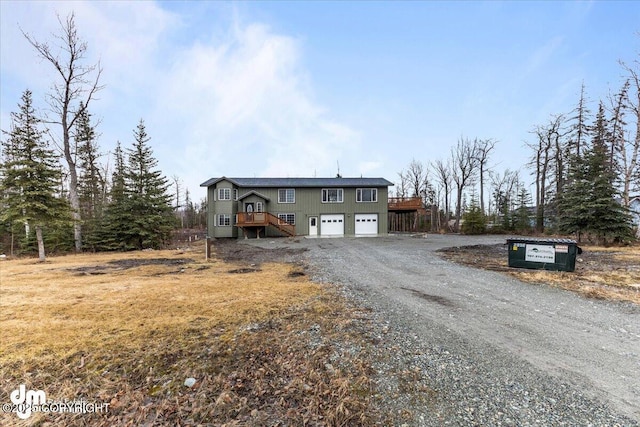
264,219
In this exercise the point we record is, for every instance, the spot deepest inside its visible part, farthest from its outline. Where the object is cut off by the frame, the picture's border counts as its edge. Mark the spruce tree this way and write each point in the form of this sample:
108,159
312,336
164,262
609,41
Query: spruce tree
579,124
610,220
475,221
574,210
589,203
30,177
521,217
114,230
189,211
148,199
91,184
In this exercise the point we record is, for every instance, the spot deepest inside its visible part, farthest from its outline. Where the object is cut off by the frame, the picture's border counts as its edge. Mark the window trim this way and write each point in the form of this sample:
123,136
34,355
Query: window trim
286,190
359,195
221,220
285,221
223,192
339,191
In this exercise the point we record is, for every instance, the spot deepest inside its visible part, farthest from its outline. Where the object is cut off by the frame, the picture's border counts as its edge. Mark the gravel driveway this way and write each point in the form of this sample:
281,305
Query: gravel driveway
485,349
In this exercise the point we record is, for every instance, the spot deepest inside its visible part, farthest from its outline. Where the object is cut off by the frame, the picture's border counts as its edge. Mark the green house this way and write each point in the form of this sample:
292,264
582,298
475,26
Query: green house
261,207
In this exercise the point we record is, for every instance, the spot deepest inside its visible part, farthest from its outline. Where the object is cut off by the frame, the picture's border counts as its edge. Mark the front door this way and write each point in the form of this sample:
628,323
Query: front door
248,208
313,226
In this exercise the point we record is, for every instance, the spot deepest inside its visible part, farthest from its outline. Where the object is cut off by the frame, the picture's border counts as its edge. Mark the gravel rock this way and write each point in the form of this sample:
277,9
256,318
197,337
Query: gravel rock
456,346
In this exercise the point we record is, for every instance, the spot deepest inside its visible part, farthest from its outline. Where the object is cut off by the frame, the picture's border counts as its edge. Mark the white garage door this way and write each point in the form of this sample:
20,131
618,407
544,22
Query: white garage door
366,223
331,225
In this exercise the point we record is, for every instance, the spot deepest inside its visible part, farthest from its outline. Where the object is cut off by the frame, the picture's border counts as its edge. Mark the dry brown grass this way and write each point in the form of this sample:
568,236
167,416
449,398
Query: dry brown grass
611,273
610,286
128,329
605,273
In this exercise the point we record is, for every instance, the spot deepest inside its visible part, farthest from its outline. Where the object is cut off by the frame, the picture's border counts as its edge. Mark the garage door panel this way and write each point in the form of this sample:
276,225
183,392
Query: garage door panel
366,223
332,225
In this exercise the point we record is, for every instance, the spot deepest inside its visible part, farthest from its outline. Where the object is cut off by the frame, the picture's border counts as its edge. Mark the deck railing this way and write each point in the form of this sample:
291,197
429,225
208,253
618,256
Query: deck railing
251,218
404,203
256,219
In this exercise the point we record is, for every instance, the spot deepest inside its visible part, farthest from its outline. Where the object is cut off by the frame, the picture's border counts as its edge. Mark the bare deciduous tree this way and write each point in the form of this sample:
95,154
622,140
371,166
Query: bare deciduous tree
503,187
178,207
444,179
464,163
76,82
416,175
402,188
629,150
548,137
483,149
619,105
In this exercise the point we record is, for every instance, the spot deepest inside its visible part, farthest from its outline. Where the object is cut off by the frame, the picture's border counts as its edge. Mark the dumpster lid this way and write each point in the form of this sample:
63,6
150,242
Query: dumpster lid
540,240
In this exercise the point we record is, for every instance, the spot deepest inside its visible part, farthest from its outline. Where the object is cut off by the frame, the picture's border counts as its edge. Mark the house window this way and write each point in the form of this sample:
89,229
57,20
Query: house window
224,220
259,207
366,195
287,195
332,195
288,218
224,194
235,194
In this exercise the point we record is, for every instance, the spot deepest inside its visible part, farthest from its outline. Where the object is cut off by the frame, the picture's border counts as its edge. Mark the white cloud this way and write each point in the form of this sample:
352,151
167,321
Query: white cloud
243,106
236,102
123,36
369,166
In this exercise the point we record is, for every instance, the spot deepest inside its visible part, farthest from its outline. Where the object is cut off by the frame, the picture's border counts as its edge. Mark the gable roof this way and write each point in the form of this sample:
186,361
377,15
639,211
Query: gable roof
300,182
253,192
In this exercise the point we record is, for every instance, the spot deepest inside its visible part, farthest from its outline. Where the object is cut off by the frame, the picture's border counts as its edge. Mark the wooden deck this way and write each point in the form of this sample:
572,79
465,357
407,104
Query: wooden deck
397,204
264,219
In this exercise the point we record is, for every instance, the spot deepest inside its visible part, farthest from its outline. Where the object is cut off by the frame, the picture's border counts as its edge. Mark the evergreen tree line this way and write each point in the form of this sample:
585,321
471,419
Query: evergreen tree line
511,210
586,172
591,202
131,209
585,169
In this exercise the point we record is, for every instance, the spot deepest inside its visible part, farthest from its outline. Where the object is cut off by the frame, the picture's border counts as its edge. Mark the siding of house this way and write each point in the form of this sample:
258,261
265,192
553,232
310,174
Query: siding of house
634,206
308,203
222,207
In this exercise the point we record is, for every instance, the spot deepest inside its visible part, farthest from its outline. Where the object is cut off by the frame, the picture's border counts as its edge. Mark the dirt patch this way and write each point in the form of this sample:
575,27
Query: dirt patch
230,250
129,263
125,264
487,257
296,273
602,273
243,270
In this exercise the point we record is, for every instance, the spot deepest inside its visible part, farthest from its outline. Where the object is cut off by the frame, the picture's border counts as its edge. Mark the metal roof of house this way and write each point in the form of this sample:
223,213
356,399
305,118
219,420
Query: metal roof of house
301,182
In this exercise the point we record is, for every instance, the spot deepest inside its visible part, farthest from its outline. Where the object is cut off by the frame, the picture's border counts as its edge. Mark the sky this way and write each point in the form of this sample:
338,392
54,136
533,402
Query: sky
300,89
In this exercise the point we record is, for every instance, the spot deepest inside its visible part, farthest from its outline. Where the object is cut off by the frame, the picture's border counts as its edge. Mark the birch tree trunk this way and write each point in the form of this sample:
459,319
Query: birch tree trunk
40,241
